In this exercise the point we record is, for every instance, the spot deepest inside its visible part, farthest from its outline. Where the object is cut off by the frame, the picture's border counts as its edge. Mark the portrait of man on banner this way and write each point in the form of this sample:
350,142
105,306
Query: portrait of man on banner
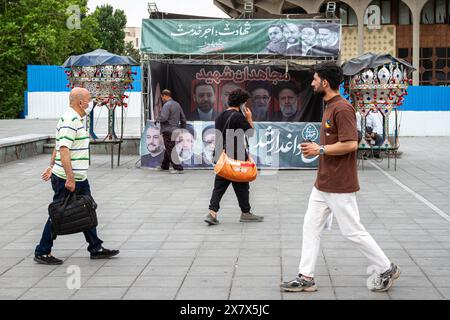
203,104
277,42
225,89
261,100
184,146
328,39
208,145
289,103
152,147
309,39
292,36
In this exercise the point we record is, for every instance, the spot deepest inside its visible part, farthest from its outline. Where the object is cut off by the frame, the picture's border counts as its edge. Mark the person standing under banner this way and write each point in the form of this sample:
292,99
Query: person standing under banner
171,118
335,189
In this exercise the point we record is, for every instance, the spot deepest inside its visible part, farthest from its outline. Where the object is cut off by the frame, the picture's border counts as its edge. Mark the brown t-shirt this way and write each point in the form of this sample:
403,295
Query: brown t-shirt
338,174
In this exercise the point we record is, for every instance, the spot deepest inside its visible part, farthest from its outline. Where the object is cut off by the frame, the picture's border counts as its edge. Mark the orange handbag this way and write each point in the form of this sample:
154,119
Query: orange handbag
235,170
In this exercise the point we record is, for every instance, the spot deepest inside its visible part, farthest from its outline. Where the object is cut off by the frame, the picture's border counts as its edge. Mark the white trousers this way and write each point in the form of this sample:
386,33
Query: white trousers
345,209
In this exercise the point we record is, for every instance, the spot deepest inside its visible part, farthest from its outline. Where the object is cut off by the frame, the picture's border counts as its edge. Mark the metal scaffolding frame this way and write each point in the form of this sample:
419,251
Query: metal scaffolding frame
289,62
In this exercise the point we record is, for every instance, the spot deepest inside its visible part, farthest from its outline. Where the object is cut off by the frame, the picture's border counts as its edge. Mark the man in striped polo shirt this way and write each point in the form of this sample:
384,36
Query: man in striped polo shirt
68,173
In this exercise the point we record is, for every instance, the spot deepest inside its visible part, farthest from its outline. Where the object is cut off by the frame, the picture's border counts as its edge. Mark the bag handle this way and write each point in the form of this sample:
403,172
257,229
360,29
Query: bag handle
67,198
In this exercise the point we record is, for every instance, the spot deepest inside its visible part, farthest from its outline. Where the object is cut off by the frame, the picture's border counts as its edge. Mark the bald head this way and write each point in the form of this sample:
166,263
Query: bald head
79,100
77,95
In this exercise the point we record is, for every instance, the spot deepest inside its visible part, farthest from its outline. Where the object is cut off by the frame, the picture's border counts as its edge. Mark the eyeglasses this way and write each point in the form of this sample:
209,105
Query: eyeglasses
265,98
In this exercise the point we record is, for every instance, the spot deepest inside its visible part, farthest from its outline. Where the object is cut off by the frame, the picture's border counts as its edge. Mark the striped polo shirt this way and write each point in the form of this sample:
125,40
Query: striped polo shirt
71,133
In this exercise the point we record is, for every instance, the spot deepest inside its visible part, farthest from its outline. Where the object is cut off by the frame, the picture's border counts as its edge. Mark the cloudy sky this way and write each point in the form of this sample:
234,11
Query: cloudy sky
136,10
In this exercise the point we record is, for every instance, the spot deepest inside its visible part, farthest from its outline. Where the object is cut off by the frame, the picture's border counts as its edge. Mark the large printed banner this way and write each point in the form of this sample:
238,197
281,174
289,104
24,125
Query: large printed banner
292,37
273,146
202,90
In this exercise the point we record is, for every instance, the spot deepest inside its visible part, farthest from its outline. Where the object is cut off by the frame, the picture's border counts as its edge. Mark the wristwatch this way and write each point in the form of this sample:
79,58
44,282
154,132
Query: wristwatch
322,150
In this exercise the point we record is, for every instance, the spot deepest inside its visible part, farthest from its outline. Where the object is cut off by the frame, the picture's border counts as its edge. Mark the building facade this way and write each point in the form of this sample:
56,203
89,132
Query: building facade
415,30
133,35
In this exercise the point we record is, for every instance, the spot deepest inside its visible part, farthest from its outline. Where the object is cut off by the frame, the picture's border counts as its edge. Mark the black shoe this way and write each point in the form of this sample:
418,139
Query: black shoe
48,260
104,254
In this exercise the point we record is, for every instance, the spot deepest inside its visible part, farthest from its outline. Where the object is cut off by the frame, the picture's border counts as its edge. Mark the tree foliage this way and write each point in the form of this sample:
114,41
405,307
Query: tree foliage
37,32
132,52
111,24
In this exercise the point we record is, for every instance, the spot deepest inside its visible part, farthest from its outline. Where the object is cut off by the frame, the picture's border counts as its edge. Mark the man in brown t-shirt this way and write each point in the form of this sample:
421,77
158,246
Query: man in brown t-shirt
335,189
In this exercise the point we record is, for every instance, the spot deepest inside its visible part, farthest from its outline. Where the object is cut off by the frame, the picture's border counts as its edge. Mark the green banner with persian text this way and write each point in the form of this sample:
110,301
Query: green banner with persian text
288,37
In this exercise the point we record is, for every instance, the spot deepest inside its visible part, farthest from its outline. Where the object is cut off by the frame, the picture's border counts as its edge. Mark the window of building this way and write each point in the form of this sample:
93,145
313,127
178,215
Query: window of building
441,11
403,53
292,9
426,63
343,14
436,11
352,18
428,13
404,14
385,10
441,52
435,66
347,15
427,76
440,75
440,64
426,66
426,53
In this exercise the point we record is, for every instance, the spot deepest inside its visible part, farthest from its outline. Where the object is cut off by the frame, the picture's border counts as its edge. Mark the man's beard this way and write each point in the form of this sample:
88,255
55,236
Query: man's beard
260,111
184,154
288,111
208,155
205,107
319,93
155,149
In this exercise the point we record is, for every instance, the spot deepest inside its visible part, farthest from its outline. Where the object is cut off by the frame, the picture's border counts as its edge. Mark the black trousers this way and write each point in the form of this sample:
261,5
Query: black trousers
169,145
242,190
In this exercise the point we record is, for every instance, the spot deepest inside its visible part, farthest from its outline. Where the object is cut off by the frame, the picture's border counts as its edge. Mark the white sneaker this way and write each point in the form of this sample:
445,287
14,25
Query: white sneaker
383,282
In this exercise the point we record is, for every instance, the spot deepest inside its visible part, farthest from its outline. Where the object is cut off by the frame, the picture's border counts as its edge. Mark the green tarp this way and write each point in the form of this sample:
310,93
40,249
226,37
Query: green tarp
293,37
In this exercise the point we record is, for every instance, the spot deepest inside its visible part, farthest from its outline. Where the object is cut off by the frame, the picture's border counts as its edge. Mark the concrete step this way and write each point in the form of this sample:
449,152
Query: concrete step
48,147
21,147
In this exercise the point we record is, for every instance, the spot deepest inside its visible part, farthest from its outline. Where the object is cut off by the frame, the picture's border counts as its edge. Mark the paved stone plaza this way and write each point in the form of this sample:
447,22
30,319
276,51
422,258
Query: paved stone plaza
168,252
